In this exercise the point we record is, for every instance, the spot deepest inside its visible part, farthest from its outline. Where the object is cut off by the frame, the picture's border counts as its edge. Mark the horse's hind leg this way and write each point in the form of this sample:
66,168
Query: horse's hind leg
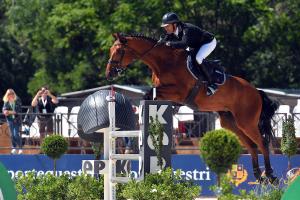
252,131
264,150
227,121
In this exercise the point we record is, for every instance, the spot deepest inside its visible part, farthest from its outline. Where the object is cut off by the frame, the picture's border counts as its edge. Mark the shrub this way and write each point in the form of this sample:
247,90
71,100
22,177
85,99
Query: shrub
289,142
54,146
156,132
49,187
220,149
261,192
163,186
85,187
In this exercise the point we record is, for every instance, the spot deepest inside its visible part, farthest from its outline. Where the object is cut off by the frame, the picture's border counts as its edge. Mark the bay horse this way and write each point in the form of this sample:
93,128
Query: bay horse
242,108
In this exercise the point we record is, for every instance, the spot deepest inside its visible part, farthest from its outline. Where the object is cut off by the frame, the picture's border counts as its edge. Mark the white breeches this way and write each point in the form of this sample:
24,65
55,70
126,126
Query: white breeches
205,50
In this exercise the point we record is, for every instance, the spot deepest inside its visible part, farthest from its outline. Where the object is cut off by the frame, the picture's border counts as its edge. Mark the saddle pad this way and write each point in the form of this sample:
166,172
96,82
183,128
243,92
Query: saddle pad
218,76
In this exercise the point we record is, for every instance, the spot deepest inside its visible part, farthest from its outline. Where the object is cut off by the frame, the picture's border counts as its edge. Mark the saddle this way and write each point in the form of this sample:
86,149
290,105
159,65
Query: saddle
214,68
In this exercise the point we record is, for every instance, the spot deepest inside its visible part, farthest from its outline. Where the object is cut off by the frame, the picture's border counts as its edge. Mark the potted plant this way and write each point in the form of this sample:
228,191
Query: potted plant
54,146
220,149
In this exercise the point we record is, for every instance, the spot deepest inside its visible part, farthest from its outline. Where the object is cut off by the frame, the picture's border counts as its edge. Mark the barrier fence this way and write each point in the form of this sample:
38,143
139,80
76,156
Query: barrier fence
146,155
65,124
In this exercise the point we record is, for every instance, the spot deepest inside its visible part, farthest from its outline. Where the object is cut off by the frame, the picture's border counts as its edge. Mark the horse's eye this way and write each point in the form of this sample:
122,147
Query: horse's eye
118,50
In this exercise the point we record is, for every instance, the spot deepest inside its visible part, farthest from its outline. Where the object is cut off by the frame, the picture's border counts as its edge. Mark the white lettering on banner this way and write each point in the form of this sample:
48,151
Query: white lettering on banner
141,140
141,112
153,112
194,175
165,141
134,174
14,174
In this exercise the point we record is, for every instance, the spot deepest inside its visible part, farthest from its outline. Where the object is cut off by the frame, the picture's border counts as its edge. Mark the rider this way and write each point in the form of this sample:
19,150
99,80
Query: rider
188,36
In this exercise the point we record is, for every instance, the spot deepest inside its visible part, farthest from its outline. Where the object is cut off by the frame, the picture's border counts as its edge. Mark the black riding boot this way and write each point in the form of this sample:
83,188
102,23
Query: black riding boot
211,86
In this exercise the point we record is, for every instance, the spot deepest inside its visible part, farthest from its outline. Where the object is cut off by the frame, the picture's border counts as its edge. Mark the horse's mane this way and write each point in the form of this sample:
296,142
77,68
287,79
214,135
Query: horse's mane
139,36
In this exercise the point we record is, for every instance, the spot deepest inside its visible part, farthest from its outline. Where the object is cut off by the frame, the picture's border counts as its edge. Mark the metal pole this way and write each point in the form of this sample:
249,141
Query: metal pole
111,190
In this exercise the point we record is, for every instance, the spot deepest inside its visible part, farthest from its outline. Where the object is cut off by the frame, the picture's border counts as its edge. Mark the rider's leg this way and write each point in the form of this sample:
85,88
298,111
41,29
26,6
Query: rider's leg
203,52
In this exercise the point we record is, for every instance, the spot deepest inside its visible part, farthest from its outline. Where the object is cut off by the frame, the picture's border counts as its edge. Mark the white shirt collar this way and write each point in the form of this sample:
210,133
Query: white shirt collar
176,31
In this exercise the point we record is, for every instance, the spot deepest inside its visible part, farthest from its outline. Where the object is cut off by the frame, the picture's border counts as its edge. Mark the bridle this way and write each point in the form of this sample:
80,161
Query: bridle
117,68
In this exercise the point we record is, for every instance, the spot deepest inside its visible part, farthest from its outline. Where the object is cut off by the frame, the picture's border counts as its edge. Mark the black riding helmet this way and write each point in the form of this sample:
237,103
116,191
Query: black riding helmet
169,18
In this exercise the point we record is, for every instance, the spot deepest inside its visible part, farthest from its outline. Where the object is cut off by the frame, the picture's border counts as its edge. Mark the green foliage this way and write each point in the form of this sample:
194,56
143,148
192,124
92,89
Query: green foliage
156,132
220,149
54,146
86,187
65,44
97,149
164,186
16,64
288,142
276,39
261,192
49,187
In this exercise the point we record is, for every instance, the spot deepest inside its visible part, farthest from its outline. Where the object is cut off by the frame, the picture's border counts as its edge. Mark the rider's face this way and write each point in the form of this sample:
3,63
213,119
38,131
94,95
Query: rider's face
170,28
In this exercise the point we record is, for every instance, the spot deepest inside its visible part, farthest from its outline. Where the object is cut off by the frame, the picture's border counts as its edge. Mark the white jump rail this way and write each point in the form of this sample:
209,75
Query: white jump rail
111,179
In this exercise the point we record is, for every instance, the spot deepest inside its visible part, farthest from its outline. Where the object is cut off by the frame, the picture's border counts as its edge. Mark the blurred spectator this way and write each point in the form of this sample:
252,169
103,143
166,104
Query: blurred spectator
12,109
45,103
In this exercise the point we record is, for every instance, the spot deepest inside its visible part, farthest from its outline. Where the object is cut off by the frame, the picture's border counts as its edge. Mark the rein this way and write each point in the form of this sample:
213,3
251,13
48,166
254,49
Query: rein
110,61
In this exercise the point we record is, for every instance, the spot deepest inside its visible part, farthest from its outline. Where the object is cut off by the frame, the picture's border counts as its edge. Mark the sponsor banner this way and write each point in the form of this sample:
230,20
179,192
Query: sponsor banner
192,168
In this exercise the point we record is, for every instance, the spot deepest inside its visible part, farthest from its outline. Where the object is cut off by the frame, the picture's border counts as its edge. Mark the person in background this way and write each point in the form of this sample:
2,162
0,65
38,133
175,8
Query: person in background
12,108
45,103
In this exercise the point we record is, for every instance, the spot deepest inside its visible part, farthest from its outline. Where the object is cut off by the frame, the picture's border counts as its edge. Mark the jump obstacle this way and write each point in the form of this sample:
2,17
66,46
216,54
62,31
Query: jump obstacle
105,104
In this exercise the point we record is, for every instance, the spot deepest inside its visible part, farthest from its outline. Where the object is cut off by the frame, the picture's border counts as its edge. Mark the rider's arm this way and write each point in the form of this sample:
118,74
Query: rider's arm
181,44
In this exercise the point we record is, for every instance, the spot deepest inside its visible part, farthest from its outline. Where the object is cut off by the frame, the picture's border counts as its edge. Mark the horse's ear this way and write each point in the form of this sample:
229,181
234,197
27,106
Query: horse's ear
122,39
115,35
119,37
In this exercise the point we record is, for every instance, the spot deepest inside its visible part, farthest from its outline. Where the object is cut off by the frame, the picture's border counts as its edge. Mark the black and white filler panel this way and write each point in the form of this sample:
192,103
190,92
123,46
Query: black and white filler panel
162,110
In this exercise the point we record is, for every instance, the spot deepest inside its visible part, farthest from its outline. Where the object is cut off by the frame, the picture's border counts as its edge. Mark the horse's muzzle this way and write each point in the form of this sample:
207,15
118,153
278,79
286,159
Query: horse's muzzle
114,72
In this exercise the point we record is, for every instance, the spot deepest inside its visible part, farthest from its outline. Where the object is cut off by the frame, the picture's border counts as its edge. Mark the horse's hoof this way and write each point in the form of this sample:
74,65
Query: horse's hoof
263,180
273,180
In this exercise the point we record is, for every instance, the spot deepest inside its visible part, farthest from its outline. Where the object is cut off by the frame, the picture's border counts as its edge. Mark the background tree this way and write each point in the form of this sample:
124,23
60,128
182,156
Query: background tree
65,43
16,64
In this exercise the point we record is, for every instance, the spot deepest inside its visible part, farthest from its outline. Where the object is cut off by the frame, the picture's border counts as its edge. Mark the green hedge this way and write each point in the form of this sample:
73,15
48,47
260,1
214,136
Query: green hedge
49,187
165,185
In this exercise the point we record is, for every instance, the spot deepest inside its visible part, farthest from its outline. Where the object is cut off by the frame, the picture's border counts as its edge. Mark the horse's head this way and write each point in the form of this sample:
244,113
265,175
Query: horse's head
120,56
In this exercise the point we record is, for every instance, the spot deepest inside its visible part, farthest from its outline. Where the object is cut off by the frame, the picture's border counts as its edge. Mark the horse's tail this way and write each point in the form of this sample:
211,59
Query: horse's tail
268,110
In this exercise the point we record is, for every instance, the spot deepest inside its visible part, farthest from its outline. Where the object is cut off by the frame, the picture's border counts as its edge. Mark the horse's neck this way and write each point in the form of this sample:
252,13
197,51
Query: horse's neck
157,57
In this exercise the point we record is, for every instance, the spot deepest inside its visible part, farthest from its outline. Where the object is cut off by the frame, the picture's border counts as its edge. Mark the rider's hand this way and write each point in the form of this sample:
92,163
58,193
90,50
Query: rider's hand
160,41
168,43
